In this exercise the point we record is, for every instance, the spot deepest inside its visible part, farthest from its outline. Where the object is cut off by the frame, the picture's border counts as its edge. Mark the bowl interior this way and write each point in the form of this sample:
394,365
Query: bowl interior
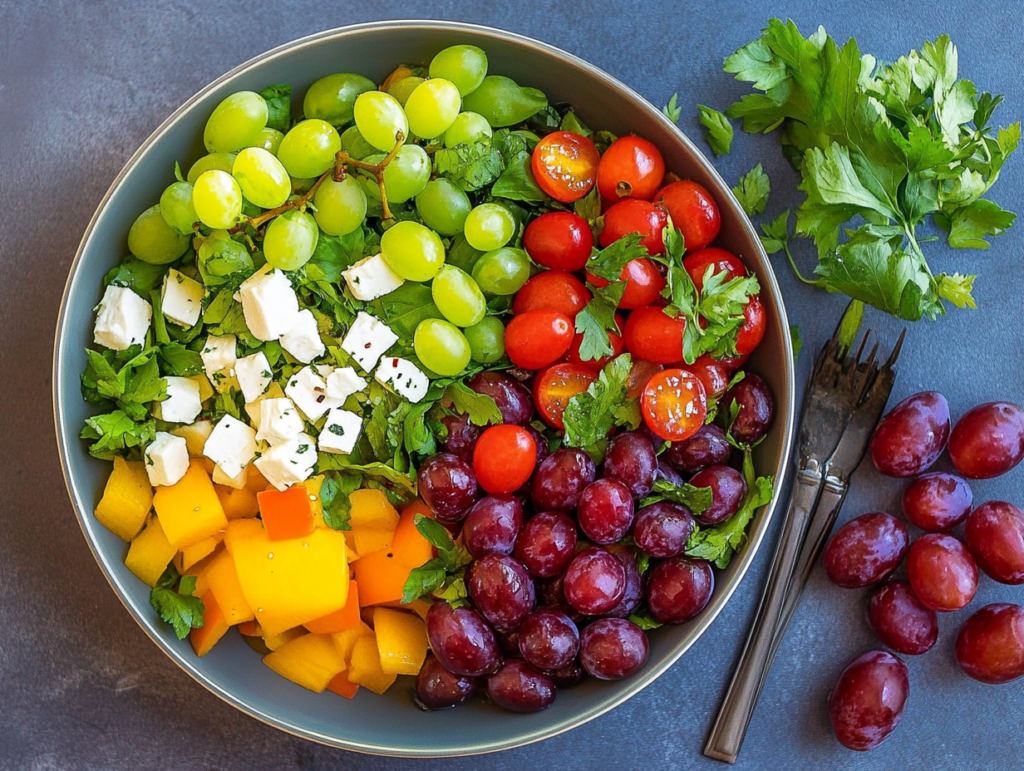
390,725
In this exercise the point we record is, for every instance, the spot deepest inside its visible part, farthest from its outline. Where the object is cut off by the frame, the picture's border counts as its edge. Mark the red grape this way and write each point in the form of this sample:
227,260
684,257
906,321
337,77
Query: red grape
567,676
937,501
900,620
727,491
865,550
912,436
942,572
559,481
634,582
518,687
501,589
708,447
549,639
679,588
511,396
662,529
448,486
605,512
546,544
995,536
613,648
988,440
492,525
461,640
630,459
437,688
461,437
595,581
868,700
990,646
756,408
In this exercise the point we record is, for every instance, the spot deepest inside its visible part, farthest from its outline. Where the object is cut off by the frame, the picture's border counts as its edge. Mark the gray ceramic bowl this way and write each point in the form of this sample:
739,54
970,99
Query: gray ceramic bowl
391,725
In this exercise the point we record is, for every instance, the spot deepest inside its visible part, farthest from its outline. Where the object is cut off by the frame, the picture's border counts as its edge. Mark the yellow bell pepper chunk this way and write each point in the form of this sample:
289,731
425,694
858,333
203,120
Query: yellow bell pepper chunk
190,510
368,540
312,661
126,500
150,553
221,578
280,639
346,641
200,550
401,641
365,668
371,510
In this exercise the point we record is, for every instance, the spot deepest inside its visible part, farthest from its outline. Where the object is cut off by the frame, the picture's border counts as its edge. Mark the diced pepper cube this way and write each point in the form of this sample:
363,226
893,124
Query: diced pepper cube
198,551
238,504
190,510
279,639
370,539
214,627
381,577
339,620
409,545
346,641
127,499
340,685
365,669
286,514
240,528
372,510
311,660
222,579
401,641
150,553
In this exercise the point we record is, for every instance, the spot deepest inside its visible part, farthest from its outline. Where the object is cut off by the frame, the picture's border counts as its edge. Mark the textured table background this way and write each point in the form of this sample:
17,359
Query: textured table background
82,84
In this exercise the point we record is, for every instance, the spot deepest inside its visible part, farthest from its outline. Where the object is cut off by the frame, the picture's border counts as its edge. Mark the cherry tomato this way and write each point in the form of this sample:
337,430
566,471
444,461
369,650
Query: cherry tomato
596,365
553,289
560,240
653,335
536,339
712,374
635,216
752,332
504,458
697,264
644,283
693,211
674,404
565,165
555,386
639,374
733,363
631,168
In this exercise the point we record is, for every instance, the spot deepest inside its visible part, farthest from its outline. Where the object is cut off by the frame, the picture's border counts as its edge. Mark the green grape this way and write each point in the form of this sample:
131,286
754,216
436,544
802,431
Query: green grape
177,209
489,226
379,118
402,88
308,150
504,102
352,142
236,123
269,140
301,184
432,107
340,206
412,251
458,297
463,65
468,127
502,271
441,347
152,240
262,177
220,256
486,340
290,240
443,206
331,98
407,174
211,162
217,199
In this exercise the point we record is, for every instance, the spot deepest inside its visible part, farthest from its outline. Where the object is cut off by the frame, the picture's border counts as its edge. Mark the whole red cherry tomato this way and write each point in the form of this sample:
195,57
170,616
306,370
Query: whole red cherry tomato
693,211
554,289
565,165
555,386
504,458
559,240
644,283
674,404
596,365
538,338
697,264
630,168
653,335
712,374
752,332
635,216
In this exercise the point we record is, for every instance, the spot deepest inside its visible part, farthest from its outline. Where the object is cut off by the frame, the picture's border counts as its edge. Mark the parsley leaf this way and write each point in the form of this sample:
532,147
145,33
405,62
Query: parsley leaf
589,415
334,498
597,319
480,408
470,166
609,262
141,277
279,106
179,361
642,618
444,571
116,431
672,110
404,308
972,223
752,191
696,499
796,341
177,606
718,129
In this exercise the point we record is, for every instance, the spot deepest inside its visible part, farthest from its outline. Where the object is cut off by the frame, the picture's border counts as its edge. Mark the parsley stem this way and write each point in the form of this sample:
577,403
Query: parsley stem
792,264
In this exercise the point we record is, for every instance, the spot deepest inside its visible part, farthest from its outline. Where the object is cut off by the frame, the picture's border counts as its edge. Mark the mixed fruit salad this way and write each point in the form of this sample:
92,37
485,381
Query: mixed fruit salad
429,380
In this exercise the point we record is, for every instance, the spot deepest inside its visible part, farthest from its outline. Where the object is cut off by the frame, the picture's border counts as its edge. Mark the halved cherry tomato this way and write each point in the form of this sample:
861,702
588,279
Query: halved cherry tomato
565,165
697,264
674,404
560,240
639,374
693,211
752,332
536,339
504,458
554,289
630,168
596,365
555,386
635,216
713,375
653,335
644,283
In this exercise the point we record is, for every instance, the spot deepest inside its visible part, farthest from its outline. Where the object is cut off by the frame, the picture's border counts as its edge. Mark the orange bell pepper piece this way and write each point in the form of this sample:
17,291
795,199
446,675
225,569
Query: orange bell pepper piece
339,620
286,514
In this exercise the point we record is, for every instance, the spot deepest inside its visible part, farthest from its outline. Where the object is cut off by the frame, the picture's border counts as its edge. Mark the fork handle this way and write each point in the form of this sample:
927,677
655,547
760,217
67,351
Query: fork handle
759,651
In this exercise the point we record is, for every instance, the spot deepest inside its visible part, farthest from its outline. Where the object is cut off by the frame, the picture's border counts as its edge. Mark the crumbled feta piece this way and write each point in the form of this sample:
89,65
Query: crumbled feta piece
219,358
367,340
269,304
232,445
344,382
254,375
279,421
404,378
182,404
181,299
303,340
309,392
122,319
237,482
371,278
289,463
341,431
166,459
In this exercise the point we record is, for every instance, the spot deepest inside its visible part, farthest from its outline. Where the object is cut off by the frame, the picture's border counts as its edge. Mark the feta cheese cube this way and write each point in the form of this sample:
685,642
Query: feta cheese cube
303,340
232,445
269,304
341,431
166,459
122,319
289,463
219,359
344,382
279,421
182,404
403,377
309,392
237,482
367,340
181,299
371,278
254,375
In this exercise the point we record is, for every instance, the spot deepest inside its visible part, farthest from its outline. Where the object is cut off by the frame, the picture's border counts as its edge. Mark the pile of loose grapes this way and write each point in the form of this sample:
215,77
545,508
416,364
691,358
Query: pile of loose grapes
942,569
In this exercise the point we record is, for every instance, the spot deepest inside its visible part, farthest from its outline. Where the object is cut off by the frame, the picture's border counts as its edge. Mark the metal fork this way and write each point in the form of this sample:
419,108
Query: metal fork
838,384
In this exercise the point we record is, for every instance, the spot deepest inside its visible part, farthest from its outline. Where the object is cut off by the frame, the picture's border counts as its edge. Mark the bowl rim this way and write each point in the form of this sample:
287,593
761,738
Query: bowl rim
67,441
